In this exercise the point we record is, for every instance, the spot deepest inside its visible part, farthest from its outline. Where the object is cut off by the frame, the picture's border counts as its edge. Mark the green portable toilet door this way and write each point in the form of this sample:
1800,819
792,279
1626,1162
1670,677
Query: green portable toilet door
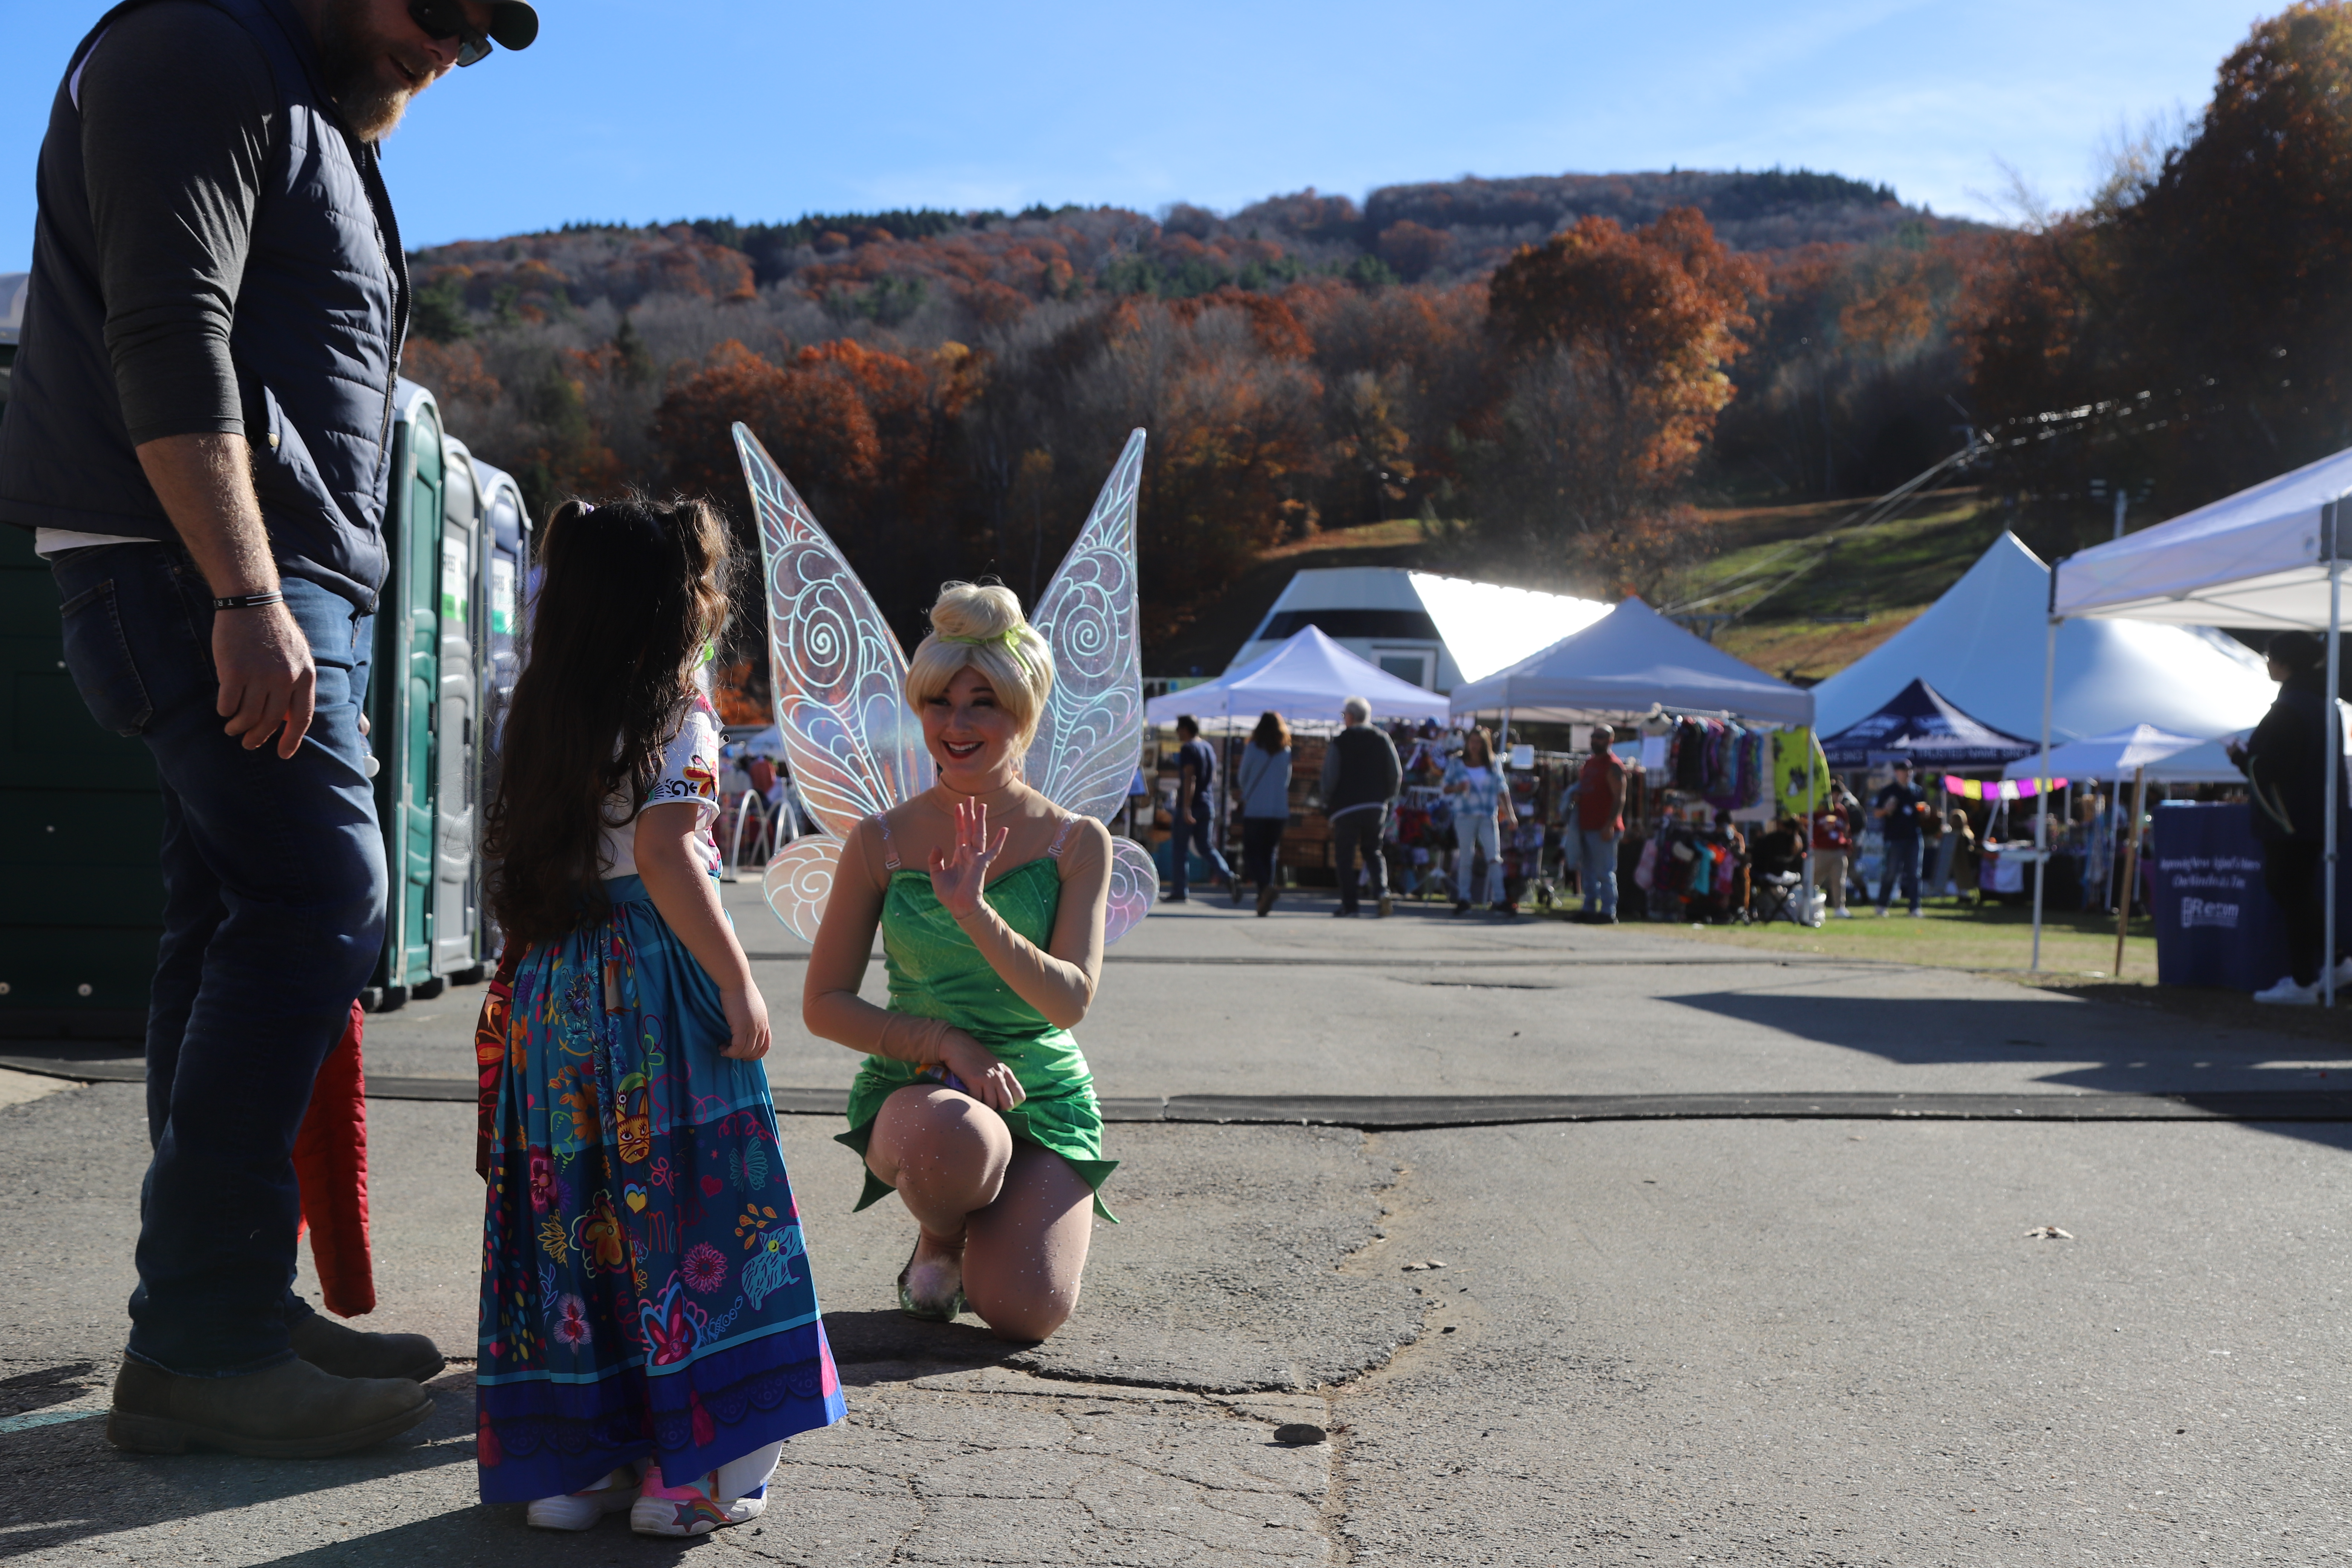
420,612
454,893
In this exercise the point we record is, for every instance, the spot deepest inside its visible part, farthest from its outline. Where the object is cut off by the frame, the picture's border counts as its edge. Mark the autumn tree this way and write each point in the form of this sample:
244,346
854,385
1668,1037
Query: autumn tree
1619,342
2182,332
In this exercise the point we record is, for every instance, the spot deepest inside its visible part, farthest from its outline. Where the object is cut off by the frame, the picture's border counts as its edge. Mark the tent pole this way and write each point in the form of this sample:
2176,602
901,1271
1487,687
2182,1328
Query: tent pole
2335,759
2041,795
2130,863
1810,784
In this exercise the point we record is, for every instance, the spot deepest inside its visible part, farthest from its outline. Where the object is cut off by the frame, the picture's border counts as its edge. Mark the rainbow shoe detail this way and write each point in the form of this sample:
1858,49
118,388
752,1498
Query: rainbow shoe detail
693,1509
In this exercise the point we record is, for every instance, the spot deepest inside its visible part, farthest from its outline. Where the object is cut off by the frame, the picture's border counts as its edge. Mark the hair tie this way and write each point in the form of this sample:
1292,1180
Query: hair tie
1010,640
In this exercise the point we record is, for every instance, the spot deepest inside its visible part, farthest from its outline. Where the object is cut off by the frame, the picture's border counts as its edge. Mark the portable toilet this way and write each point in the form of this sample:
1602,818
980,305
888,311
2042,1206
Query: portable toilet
505,559
424,708
81,814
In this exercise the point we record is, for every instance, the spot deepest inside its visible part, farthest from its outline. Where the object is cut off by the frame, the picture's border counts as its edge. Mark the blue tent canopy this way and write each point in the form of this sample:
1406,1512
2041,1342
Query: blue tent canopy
1921,725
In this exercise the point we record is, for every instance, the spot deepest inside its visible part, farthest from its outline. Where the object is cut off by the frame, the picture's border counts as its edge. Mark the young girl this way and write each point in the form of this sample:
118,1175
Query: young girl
975,1102
646,1300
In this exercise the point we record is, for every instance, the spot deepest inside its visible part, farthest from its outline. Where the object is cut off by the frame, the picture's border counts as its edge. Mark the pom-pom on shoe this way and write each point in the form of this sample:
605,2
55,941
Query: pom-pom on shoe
579,1511
690,1509
923,1298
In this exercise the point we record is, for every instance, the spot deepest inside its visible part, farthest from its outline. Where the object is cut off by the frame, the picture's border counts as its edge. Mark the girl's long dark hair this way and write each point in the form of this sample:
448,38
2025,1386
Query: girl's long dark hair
631,592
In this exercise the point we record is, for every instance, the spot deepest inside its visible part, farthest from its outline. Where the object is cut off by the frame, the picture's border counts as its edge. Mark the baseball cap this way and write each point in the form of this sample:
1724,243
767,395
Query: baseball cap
513,24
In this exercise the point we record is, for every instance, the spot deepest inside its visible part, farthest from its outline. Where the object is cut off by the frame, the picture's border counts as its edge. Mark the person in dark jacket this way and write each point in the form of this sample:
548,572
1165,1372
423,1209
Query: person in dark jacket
2285,764
1360,777
1195,816
196,434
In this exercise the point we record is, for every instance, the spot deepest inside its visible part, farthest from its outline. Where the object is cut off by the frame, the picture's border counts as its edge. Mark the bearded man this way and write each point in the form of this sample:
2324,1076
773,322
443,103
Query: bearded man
197,435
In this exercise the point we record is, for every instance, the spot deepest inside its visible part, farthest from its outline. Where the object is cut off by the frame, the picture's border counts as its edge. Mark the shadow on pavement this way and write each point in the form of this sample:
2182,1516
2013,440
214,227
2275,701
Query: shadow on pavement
2126,1051
69,1485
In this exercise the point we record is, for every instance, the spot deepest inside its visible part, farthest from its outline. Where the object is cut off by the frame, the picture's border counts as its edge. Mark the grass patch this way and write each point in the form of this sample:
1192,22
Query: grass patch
1990,938
1900,564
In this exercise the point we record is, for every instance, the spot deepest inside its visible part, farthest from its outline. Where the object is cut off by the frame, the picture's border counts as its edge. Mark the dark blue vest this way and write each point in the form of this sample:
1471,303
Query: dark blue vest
319,323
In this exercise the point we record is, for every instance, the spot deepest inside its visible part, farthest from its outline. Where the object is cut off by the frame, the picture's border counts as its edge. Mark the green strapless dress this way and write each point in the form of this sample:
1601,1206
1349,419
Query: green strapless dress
937,972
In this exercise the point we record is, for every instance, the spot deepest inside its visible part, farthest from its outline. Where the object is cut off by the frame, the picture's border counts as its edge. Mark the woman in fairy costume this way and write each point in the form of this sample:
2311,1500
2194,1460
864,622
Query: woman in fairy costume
649,1329
975,1102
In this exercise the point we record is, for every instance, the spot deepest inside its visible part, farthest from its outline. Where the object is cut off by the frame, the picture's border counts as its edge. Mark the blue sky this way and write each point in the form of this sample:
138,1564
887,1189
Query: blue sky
766,108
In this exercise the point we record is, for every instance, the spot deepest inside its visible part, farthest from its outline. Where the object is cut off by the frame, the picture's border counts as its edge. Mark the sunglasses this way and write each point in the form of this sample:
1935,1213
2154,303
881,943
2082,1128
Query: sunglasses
442,20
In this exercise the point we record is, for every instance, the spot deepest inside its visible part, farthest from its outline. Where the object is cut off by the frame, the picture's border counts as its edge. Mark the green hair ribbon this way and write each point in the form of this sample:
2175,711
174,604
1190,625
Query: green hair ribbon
1009,641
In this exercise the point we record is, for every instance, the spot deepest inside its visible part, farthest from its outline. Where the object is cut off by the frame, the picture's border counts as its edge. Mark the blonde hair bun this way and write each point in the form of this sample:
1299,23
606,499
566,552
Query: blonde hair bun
979,624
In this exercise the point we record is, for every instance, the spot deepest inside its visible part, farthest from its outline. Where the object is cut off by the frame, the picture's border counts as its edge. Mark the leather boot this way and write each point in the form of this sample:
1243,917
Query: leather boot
292,1410
343,1352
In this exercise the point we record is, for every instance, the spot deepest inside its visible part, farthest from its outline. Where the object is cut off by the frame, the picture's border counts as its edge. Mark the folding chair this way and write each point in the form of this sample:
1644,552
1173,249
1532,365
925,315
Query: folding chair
1774,898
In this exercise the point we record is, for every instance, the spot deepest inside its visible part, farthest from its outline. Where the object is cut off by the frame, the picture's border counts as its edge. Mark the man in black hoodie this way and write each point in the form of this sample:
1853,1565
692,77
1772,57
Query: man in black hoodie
1360,775
2285,764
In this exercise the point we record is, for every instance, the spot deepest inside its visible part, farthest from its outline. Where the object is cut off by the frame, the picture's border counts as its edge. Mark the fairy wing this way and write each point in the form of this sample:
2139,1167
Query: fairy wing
1091,735
852,749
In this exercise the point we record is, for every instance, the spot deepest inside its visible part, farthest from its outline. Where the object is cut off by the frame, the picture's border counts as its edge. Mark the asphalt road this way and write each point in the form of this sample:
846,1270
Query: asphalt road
1742,1342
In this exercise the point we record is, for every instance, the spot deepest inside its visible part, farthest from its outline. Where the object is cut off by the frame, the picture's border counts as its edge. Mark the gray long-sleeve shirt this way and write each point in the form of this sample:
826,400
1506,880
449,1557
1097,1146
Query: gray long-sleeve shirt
177,111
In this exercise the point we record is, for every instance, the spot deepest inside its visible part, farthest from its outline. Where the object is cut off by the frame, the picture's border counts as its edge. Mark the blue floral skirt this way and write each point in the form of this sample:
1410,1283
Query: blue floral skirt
645,1291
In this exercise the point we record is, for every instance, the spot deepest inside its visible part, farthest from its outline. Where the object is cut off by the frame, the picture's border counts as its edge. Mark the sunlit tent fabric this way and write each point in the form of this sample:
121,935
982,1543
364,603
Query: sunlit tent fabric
2258,558
1417,626
1981,645
1922,726
1305,679
1628,661
2168,759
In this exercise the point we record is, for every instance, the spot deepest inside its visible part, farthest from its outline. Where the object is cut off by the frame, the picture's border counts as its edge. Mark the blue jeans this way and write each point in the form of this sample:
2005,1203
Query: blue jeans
1471,836
273,917
1188,834
1901,862
1597,870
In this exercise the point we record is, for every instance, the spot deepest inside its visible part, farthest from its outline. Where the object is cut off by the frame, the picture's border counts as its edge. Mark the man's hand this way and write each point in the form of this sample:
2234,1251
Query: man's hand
267,678
268,683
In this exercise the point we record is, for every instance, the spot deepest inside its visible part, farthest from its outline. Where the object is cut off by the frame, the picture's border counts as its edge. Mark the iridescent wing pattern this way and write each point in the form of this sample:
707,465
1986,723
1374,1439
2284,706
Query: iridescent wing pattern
1134,888
799,880
1091,735
853,747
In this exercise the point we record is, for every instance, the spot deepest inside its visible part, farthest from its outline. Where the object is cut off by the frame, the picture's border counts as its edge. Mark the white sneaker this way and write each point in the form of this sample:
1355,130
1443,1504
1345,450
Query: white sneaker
1881,912
1916,914
581,1510
2287,994
2343,975
1842,914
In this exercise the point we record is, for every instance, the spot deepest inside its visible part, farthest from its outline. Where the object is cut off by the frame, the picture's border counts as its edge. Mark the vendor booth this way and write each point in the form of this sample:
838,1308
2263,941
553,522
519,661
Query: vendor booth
1714,755
2268,556
1305,679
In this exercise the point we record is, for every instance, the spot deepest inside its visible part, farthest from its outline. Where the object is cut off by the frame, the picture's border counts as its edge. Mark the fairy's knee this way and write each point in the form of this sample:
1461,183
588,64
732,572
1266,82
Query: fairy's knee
929,1137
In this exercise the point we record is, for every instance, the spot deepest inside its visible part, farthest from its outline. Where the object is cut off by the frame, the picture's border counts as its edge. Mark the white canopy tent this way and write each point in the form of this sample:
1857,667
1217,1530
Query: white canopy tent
1305,679
2167,759
1981,646
2268,556
1629,661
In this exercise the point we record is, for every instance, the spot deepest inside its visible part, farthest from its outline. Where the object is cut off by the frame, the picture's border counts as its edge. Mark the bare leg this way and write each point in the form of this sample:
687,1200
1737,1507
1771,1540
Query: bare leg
1026,1251
1012,1220
947,1154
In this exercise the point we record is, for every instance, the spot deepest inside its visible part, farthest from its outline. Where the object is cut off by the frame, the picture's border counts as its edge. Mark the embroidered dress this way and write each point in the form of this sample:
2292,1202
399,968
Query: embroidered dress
936,971
645,1289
